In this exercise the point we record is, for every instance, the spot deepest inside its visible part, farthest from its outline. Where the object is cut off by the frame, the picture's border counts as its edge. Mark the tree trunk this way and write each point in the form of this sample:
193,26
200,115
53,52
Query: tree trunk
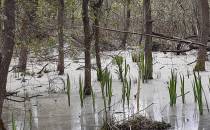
28,27
96,8
60,66
87,41
203,34
148,39
127,23
1,25
23,58
7,46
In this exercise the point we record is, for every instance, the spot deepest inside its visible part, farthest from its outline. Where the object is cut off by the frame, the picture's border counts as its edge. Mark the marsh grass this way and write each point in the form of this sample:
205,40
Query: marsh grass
81,91
13,122
182,88
138,92
30,120
142,67
68,85
172,88
93,98
110,91
99,74
198,92
128,91
135,56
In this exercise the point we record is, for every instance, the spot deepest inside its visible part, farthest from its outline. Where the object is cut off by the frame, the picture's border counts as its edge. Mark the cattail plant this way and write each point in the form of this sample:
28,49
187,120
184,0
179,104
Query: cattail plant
172,88
198,92
68,85
81,91
182,88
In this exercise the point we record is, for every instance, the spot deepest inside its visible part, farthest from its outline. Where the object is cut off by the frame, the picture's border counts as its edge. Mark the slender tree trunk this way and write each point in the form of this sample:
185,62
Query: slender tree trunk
60,66
28,27
127,23
7,47
23,58
87,41
203,34
148,39
96,8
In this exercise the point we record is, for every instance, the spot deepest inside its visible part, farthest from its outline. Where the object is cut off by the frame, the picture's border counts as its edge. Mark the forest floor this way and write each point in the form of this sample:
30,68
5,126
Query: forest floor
46,102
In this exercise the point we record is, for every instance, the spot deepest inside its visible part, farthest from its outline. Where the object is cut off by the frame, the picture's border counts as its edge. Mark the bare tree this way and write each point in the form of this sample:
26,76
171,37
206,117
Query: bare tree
148,39
203,33
87,41
7,47
60,66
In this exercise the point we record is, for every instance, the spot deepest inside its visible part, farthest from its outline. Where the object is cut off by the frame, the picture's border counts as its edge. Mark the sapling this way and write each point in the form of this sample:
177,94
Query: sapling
172,88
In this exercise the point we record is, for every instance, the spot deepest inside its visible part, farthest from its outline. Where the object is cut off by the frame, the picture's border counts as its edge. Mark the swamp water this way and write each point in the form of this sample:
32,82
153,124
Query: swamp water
51,111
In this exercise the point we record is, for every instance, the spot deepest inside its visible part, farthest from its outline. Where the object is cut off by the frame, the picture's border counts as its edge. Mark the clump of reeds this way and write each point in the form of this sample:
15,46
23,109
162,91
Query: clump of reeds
172,88
197,88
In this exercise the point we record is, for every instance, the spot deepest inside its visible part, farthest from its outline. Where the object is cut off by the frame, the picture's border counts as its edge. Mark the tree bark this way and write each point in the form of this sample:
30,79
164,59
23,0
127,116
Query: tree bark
96,8
127,23
60,66
148,39
7,47
87,41
203,34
